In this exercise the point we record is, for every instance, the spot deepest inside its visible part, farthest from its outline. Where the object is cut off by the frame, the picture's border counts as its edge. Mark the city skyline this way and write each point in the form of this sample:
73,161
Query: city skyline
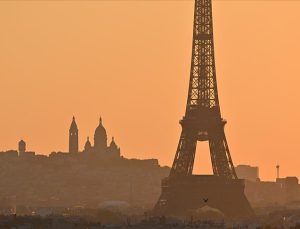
74,59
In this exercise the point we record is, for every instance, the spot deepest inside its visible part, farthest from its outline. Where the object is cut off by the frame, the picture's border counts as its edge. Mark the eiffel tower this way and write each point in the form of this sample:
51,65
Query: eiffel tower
182,191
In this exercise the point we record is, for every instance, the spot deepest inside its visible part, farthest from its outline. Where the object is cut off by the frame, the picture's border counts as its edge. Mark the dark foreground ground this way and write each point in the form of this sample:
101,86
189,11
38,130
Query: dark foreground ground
66,222
61,222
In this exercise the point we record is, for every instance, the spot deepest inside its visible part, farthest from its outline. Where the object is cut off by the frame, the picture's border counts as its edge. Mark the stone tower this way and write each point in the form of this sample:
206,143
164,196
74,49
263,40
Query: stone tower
22,147
73,137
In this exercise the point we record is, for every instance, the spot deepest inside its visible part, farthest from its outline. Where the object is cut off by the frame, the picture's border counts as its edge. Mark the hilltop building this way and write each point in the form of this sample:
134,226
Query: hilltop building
22,150
73,137
100,138
85,177
22,147
100,146
88,146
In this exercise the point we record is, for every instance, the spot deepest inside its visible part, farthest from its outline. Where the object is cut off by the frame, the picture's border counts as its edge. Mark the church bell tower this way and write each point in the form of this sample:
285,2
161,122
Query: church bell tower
73,137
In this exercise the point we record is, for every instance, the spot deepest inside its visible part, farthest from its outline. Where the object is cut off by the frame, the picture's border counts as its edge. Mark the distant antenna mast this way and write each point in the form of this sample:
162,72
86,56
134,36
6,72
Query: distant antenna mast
277,167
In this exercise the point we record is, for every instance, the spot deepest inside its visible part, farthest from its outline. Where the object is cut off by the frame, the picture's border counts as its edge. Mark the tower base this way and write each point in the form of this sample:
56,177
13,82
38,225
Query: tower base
182,195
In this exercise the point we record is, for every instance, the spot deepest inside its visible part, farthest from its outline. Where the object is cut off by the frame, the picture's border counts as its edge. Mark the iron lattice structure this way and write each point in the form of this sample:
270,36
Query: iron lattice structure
202,121
182,191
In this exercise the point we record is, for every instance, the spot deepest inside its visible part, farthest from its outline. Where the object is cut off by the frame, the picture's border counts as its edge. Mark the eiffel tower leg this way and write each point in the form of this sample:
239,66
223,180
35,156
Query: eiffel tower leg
185,154
220,156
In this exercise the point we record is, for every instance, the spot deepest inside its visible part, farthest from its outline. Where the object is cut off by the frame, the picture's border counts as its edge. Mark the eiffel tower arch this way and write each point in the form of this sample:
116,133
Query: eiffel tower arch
182,191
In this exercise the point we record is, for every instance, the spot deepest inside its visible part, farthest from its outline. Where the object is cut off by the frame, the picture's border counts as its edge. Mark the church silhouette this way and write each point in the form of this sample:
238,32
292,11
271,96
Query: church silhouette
100,142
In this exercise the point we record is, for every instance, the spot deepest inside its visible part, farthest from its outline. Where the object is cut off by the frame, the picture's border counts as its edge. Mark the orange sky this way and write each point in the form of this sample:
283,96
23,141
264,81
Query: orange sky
129,62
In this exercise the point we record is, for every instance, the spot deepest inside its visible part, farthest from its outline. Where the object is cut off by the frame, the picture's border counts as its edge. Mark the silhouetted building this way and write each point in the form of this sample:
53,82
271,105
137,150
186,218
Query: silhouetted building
100,138
88,178
9,154
88,146
113,149
247,172
100,143
291,188
22,147
22,150
73,137
267,193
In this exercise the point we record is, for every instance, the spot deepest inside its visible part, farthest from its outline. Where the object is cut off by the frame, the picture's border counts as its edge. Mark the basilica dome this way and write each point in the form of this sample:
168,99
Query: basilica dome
100,130
100,137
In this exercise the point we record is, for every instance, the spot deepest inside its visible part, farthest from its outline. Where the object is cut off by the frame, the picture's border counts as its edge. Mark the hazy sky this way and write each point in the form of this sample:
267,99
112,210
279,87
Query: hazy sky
129,62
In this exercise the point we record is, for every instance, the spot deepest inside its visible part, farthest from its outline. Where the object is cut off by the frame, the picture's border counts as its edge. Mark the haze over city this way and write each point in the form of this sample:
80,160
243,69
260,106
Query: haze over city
129,62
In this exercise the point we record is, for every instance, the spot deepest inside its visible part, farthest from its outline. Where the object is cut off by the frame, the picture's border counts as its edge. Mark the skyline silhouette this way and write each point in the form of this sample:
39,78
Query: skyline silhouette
52,68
